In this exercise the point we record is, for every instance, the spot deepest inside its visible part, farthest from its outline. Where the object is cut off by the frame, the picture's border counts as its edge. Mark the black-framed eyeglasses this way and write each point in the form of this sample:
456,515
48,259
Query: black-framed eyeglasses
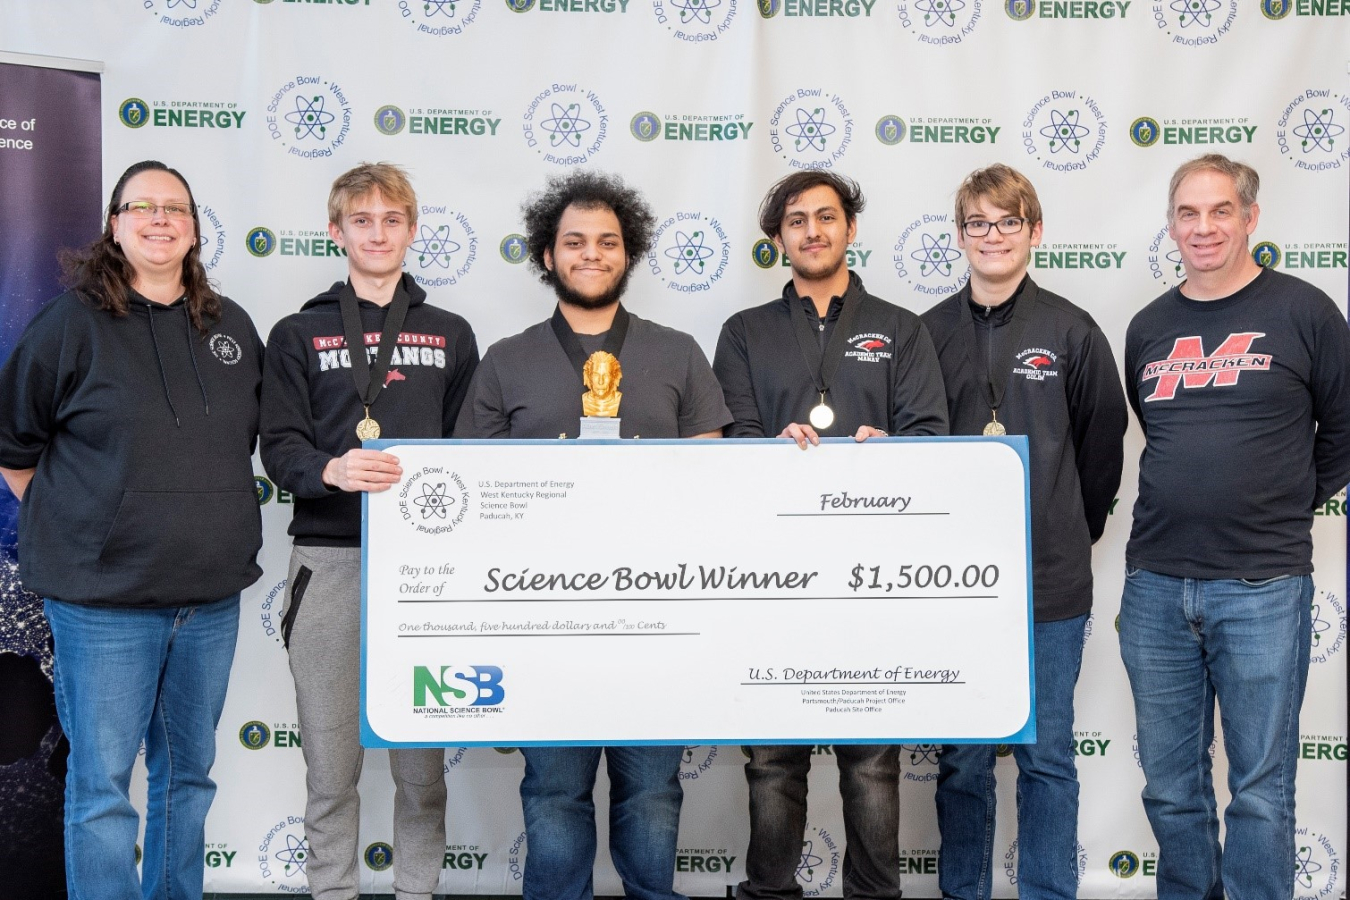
980,228
144,209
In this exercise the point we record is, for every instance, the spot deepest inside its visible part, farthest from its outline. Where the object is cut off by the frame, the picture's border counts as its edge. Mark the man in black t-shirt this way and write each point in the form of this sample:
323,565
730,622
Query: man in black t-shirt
1239,379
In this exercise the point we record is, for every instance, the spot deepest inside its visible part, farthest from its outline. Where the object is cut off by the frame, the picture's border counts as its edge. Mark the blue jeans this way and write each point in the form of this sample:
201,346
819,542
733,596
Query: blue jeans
869,786
1047,788
123,675
1186,642
644,819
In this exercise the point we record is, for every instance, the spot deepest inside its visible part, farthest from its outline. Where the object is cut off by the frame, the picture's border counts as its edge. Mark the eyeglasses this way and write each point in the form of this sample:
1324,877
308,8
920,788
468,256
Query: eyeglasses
980,228
143,209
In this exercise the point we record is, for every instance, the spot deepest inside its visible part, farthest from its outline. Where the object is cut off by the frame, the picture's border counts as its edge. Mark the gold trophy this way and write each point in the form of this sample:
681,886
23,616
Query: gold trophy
600,404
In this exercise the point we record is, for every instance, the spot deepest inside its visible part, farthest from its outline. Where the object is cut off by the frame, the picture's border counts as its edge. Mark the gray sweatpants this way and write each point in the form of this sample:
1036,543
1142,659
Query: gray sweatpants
322,622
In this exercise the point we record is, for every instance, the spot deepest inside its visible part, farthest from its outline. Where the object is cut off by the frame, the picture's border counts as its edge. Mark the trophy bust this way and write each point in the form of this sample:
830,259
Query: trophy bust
600,402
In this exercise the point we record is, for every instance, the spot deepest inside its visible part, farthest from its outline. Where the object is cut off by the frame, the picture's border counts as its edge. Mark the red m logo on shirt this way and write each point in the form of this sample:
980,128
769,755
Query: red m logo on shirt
1188,364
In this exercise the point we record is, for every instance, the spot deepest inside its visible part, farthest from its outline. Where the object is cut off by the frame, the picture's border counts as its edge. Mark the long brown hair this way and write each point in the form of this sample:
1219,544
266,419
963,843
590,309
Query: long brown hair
102,274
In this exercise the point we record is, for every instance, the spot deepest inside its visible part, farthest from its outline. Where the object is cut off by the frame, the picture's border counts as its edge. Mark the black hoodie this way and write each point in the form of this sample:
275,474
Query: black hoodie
141,430
310,406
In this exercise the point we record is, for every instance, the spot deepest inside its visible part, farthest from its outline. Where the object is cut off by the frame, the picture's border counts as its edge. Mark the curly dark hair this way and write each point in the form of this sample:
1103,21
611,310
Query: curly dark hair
793,186
101,274
586,190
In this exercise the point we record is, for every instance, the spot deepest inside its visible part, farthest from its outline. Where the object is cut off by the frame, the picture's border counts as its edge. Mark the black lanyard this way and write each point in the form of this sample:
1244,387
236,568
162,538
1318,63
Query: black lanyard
1021,315
369,380
572,345
822,367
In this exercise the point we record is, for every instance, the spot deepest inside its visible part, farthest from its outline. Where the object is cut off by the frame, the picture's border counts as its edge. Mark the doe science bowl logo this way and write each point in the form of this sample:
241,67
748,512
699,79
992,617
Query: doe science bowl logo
690,252
819,866
1064,131
695,21
927,258
260,241
1010,862
212,237
1311,130
310,116
1164,259
697,760
181,13
283,855
134,112
939,22
1317,866
439,18
254,735
434,501
565,124
443,249
1328,627
811,128
1194,23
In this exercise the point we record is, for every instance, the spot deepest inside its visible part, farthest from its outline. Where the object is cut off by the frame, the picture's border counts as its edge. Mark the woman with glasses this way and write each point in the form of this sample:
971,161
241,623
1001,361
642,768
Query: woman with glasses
128,415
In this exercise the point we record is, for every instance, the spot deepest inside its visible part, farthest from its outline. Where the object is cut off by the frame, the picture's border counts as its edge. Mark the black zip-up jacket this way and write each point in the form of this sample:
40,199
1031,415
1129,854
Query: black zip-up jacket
142,432
310,406
1064,394
889,377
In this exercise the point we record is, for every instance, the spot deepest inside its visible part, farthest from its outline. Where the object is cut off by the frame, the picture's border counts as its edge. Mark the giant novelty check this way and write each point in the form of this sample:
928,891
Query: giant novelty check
698,592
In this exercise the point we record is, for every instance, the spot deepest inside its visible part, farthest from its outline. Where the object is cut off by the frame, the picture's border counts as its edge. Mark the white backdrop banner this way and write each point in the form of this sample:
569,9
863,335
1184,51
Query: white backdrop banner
703,104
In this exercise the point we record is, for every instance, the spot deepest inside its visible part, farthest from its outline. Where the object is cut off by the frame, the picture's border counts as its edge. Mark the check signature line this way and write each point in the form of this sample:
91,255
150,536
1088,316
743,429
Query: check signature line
828,515
814,683
549,634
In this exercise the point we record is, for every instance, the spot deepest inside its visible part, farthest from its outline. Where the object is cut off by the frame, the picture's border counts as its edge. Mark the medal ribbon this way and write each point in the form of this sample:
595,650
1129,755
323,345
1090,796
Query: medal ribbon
572,346
1021,315
368,379
822,367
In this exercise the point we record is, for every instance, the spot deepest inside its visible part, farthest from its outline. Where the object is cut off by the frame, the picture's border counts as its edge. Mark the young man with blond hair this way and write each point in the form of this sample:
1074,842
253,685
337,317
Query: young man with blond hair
1018,359
366,358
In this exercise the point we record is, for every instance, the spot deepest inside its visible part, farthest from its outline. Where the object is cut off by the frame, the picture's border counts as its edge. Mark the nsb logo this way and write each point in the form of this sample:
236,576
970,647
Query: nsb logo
255,735
457,686
134,112
260,241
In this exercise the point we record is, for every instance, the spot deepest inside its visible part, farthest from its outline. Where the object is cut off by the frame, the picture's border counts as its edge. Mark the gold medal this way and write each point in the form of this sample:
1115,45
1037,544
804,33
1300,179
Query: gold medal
367,429
822,416
995,427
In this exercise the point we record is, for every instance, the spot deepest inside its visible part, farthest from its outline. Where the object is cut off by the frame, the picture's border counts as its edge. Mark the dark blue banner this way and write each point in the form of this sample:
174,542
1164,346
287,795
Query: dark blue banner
51,182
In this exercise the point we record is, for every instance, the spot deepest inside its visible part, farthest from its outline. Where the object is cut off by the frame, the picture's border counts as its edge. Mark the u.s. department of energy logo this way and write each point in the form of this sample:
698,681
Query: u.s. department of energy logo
565,124
434,501
439,18
1064,131
1145,131
254,735
1010,862
645,126
1022,10
1019,10
811,128
283,855
695,763
890,130
1123,864
764,253
264,489
390,120
818,868
695,21
260,241
444,247
1317,866
1164,259
378,857
1276,9
1099,257
181,13
927,258
1311,130
689,252
514,249
940,22
211,236
768,8
134,112
1194,23
310,116
1267,254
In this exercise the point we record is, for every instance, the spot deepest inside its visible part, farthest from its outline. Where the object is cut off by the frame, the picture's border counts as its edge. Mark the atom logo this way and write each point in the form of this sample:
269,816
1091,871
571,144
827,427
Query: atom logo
295,855
810,129
1064,131
936,255
1318,130
689,252
940,11
1319,624
922,754
566,126
434,246
1195,12
190,4
696,10
310,118
806,869
1305,867
444,7
434,501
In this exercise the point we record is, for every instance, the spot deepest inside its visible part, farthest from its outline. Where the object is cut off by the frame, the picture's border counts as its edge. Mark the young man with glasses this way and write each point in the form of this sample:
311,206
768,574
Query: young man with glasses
1017,359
